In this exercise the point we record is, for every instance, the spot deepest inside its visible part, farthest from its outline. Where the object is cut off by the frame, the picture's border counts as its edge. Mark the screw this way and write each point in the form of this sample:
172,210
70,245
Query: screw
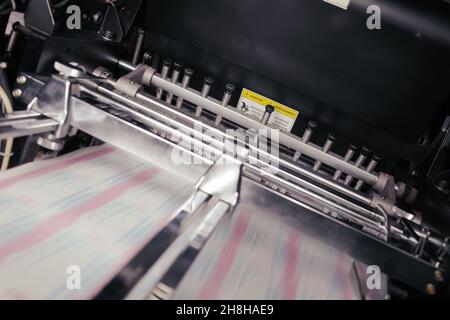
97,18
17,93
306,137
175,76
431,289
229,89
208,82
348,156
359,162
108,34
164,73
21,80
185,84
267,114
372,165
438,276
147,57
326,148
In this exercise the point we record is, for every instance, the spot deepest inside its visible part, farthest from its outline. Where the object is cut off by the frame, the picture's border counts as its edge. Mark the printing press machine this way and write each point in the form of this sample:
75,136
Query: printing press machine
359,159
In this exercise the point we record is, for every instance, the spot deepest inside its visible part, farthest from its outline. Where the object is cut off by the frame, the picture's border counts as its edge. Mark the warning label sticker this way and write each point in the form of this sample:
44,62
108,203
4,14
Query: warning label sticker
254,105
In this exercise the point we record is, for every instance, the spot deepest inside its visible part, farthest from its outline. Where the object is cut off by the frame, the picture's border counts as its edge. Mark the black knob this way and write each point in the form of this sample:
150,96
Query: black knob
177,66
312,125
377,158
230,88
209,81
270,108
167,63
365,151
332,137
188,72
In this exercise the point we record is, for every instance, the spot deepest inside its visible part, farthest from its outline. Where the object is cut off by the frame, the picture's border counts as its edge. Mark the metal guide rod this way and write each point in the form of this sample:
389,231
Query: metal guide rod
289,141
150,103
302,171
20,128
312,187
216,146
311,195
143,114
229,113
149,106
88,120
146,119
146,145
299,181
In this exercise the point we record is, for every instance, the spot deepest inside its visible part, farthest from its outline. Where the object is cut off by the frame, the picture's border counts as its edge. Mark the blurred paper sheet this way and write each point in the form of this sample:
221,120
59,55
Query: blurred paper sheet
96,208
93,209
254,256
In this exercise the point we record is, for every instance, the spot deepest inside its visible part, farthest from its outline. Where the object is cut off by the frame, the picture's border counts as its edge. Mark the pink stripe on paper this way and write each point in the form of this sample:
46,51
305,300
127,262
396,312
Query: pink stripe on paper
290,276
57,223
343,272
226,258
122,261
8,182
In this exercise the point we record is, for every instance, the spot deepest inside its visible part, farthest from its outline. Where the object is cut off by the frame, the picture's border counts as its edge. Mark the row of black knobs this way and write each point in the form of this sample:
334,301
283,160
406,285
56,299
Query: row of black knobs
229,90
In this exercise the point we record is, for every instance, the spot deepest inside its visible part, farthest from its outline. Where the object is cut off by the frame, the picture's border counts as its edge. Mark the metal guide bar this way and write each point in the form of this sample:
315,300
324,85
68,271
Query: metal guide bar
119,132
323,193
289,141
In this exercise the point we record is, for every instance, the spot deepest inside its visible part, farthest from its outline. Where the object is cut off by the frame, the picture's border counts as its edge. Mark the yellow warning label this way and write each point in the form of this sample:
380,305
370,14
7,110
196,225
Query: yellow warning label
263,101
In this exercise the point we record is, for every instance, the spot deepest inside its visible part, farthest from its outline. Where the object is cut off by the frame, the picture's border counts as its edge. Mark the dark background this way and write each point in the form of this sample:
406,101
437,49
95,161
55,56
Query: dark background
383,88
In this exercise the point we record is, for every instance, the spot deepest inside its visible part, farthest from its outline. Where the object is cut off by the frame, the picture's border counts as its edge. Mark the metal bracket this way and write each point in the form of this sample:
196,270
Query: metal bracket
223,179
39,16
131,83
14,17
387,199
111,28
54,102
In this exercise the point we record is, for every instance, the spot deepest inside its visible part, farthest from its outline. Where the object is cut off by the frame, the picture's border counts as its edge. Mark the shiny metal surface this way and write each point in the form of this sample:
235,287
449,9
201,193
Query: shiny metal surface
228,112
145,127
144,144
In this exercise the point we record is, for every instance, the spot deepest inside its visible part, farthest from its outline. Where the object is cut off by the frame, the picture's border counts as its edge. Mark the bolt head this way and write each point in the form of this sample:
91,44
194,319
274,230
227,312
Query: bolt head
177,66
17,93
209,81
97,18
147,56
108,34
365,151
438,276
188,72
230,87
21,80
312,125
332,137
431,289
376,158
270,108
